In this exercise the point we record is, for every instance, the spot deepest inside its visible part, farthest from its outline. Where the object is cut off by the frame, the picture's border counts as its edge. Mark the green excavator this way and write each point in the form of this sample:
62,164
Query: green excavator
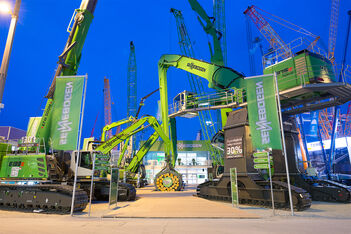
167,179
37,178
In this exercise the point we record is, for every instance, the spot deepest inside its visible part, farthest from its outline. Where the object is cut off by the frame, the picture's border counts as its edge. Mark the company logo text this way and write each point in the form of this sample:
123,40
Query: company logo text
262,124
64,124
193,66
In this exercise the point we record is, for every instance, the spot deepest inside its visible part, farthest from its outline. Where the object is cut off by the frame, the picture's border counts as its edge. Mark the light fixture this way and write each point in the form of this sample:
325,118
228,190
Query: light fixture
5,8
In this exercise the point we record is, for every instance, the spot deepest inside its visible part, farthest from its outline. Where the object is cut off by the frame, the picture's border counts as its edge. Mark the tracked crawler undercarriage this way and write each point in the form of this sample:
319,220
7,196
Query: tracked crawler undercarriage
254,188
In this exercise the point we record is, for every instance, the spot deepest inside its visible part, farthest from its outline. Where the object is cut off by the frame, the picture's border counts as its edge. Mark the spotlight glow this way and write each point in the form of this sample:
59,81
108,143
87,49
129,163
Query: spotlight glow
5,8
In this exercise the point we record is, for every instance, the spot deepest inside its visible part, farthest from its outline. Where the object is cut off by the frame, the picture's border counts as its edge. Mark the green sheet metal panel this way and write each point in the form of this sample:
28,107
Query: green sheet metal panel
321,69
29,166
304,68
286,74
3,148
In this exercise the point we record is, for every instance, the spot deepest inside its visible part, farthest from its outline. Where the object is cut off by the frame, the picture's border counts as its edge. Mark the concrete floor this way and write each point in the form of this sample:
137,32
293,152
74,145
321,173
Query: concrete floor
154,217
180,204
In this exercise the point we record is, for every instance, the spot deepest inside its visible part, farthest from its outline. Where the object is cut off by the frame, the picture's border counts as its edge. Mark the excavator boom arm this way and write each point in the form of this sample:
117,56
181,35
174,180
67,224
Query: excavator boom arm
134,164
218,77
70,58
108,145
114,125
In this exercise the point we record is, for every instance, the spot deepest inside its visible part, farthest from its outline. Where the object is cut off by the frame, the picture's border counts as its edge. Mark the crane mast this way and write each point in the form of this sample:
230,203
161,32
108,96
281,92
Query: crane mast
132,82
107,106
132,93
219,21
333,28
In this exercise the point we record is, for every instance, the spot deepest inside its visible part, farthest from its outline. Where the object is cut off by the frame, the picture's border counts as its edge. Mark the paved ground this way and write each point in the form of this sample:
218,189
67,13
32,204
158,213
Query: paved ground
181,204
320,218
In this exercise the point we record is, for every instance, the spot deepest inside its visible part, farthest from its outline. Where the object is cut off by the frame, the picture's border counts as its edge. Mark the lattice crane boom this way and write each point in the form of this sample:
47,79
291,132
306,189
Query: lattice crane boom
132,93
347,126
324,124
268,32
333,28
132,83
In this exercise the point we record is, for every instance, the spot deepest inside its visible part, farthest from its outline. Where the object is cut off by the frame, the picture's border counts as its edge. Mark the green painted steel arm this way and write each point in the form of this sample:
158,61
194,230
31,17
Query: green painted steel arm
209,28
114,125
218,77
69,59
134,164
121,155
136,127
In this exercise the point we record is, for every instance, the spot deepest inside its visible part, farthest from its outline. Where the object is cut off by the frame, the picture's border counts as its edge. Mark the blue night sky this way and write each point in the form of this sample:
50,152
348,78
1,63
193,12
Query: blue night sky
41,35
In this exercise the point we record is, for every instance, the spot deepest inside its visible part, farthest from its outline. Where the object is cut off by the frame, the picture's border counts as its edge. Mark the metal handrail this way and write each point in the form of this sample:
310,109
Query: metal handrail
219,98
294,46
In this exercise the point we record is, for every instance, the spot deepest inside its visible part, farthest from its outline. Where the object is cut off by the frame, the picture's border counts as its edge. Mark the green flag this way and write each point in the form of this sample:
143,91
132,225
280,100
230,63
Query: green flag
66,112
263,113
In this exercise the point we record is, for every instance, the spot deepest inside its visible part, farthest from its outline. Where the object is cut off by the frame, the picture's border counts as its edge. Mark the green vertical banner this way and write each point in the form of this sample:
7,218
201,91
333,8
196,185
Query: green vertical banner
66,112
234,186
263,112
114,186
